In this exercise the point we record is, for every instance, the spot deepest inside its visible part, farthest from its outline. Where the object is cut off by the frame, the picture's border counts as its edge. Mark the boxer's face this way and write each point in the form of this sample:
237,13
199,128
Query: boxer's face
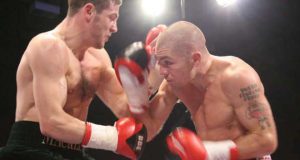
104,24
174,67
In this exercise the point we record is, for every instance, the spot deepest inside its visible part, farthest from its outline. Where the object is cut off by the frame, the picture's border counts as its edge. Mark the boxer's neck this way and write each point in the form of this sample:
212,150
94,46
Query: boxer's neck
203,77
71,33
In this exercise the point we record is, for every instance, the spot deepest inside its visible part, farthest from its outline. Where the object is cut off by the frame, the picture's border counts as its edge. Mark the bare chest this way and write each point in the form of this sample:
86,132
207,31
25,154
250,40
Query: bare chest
212,114
82,82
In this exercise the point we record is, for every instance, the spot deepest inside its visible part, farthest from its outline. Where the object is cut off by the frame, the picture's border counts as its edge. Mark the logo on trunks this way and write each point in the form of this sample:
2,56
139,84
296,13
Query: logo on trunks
55,143
140,142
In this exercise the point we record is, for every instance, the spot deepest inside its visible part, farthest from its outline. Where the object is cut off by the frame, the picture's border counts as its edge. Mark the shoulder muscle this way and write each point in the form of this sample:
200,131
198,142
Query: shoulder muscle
47,54
242,82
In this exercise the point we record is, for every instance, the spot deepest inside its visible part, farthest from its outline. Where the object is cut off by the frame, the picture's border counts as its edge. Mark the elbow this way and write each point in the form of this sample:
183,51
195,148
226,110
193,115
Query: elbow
47,127
269,143
273,144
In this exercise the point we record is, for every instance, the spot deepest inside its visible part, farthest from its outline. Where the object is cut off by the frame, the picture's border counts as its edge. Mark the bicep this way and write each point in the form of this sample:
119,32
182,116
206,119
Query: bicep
255,114
49,94
250,103
49,83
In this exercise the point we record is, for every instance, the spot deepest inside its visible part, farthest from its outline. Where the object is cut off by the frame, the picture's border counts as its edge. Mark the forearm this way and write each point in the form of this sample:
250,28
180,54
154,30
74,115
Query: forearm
63,128
246,147
188,145
112,94
155,116
256,145
119,106
153,127
115,100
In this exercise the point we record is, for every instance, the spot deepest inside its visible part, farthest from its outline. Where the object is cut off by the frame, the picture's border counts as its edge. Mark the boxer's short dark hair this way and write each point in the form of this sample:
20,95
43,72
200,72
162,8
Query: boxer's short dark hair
75,5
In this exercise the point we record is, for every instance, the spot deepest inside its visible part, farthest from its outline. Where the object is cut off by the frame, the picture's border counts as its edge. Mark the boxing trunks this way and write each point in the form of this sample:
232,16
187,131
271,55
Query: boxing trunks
267,157
27,142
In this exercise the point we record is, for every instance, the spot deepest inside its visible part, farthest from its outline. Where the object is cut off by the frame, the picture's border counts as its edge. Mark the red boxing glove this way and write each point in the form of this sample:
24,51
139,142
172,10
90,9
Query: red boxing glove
127,137
150,41
131,67
188,146
132,138
154,78
152,37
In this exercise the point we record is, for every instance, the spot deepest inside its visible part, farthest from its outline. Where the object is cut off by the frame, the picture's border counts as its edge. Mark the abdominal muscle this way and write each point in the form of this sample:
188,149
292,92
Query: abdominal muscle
27,111
217,128
75,104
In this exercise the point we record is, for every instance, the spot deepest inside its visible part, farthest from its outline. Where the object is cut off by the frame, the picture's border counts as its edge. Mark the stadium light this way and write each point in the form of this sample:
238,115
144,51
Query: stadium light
153,8
225,3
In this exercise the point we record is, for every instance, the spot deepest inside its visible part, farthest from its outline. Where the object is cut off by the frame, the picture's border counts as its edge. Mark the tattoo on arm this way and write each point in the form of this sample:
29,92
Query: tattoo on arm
257,111
250,92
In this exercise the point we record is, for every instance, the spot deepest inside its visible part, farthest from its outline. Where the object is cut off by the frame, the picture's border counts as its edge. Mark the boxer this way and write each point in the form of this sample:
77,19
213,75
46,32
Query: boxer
59,74
224,95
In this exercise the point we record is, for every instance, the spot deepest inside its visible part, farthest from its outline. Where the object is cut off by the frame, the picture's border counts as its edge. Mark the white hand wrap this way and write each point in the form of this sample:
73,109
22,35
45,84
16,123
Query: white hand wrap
219,150
102,137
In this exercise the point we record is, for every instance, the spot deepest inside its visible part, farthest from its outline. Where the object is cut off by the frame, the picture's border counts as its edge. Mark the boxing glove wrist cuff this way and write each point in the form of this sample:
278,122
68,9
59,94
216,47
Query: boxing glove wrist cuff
225,150
100,137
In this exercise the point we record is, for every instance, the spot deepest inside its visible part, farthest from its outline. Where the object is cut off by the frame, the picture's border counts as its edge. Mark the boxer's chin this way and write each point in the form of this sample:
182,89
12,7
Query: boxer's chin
100,45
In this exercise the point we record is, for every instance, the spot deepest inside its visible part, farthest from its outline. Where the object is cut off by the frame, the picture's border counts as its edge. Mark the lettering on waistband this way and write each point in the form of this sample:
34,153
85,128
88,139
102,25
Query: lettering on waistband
59,144
266,157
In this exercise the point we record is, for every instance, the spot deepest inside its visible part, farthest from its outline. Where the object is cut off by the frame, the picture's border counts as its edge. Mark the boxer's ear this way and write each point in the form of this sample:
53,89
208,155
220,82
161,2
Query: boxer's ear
89,10
196,57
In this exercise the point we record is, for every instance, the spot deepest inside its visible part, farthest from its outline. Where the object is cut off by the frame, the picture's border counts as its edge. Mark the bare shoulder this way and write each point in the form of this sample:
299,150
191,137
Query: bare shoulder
102,56
239,75
238,70
47,49
45,43
48,40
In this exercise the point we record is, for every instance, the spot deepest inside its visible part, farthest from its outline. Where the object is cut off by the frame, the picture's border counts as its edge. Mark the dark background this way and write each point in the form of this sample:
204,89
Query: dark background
264,33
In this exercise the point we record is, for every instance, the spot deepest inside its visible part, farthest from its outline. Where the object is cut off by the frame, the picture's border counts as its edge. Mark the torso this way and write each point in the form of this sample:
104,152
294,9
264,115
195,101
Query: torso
82,79
211,111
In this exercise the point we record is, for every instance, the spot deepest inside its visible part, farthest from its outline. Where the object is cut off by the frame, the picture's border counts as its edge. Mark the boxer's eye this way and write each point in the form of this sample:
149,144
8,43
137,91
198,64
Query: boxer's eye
113,17
167,63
